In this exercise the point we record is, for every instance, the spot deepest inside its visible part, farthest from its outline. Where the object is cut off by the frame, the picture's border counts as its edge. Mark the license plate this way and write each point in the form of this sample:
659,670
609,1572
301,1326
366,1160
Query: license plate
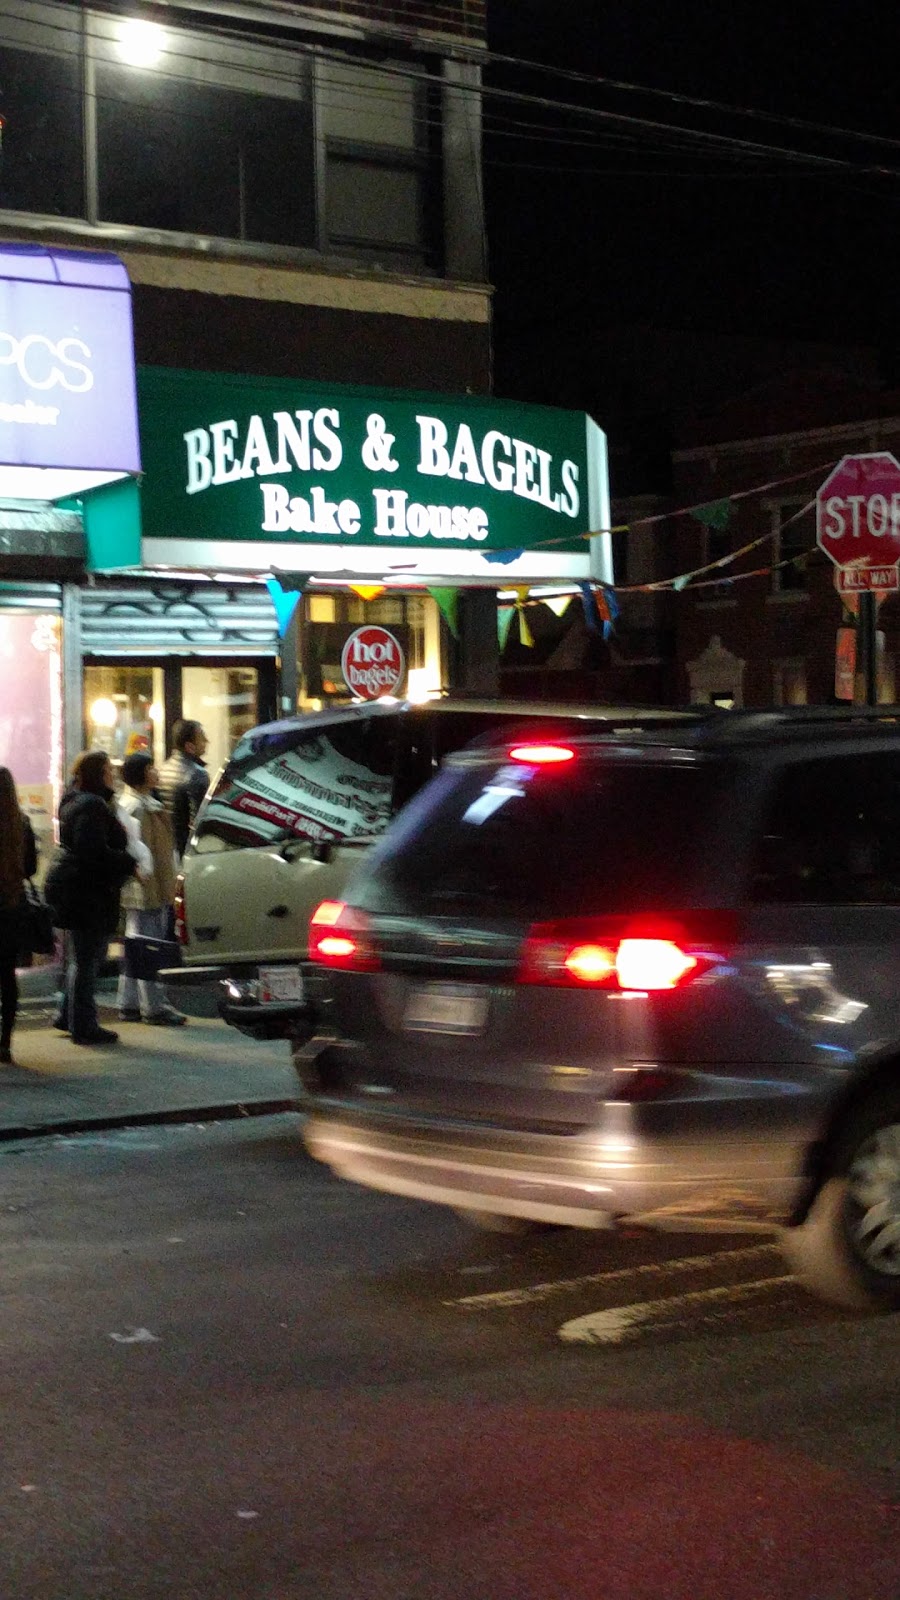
444,1008
280,983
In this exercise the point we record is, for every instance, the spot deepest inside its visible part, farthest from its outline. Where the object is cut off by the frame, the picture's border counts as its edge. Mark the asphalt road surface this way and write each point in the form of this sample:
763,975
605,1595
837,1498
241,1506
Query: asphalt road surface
227,1375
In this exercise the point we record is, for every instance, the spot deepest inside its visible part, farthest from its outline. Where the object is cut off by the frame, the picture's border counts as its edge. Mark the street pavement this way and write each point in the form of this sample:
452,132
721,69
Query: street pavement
227,1375
204,1069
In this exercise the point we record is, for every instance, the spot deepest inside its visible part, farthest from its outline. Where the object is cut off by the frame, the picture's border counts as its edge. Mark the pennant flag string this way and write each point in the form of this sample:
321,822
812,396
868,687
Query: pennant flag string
684,578
710,513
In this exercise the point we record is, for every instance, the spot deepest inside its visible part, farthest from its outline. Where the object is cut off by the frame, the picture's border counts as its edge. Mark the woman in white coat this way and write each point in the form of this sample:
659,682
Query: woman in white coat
148,898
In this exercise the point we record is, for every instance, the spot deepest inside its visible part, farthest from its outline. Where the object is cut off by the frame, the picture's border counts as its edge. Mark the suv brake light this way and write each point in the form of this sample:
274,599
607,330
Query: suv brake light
181,932
340,937
541,755
624,954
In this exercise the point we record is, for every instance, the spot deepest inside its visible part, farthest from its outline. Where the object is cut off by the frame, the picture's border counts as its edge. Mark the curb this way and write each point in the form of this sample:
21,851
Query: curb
231,1111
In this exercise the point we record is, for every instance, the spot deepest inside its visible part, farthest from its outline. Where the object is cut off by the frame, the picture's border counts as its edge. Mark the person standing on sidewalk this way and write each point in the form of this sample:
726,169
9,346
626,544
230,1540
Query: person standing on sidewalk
18,861
184,780
84,887
148,898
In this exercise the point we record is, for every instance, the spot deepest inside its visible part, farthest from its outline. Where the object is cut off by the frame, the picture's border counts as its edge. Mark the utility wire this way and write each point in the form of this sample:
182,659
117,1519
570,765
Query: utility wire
702,138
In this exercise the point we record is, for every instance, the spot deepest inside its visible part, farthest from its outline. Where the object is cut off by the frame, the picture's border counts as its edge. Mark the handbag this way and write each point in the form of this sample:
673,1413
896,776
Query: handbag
36,934
144,956
61,888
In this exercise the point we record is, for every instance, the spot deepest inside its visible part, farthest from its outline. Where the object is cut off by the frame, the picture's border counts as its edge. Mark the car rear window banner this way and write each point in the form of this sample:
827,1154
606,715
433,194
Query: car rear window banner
311,791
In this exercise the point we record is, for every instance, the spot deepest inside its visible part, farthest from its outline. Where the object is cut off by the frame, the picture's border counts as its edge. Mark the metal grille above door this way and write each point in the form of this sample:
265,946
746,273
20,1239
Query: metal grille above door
183,620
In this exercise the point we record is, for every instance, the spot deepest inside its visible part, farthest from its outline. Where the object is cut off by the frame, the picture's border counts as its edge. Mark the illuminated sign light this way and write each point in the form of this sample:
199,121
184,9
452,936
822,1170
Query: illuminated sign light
67,389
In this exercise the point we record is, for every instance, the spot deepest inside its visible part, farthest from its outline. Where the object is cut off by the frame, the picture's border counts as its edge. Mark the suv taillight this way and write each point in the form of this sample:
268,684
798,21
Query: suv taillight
340,937
645,955
181,933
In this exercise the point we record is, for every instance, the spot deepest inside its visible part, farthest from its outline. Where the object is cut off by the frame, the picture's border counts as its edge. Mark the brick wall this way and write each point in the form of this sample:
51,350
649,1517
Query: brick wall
774,633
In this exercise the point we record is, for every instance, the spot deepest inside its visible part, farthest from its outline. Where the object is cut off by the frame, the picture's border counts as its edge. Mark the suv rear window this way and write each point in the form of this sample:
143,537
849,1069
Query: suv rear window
331,783
519,841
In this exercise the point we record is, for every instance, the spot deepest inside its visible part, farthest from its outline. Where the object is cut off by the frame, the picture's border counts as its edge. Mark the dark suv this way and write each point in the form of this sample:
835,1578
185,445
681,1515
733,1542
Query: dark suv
288,819
583,979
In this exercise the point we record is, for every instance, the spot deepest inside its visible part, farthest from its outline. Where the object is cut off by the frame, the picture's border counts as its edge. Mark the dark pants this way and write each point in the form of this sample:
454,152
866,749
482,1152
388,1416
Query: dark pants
9,988
87,952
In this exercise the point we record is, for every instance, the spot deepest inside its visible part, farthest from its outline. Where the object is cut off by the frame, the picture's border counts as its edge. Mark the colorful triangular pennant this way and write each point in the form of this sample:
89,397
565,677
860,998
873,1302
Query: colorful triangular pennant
285,602
447,602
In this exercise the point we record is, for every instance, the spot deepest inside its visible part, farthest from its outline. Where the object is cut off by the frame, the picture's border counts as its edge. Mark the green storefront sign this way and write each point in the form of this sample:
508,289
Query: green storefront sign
231,459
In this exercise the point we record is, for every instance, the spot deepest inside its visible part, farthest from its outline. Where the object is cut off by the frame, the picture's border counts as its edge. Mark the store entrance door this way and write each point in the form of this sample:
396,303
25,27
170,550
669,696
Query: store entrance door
229,700
134,705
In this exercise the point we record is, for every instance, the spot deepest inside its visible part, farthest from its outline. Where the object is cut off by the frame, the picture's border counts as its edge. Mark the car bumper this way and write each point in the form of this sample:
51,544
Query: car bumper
624,1167
236,988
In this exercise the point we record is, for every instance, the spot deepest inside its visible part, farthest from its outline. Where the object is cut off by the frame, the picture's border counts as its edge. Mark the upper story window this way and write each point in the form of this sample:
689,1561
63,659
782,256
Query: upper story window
207,136
376,133
213,133
41,165
718,543
793,534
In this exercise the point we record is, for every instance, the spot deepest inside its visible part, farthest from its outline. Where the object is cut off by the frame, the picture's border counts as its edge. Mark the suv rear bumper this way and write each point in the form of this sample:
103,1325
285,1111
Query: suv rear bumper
625,1166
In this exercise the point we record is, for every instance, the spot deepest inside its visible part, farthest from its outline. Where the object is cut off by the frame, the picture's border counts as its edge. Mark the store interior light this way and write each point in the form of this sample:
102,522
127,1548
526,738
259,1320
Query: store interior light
155,713
141,44
420,686
104,713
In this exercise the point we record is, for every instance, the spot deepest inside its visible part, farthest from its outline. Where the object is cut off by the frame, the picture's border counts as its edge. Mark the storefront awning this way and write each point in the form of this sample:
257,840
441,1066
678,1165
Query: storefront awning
68,407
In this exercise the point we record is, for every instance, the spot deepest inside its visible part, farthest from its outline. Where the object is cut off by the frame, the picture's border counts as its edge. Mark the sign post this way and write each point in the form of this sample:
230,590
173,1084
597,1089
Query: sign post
858,527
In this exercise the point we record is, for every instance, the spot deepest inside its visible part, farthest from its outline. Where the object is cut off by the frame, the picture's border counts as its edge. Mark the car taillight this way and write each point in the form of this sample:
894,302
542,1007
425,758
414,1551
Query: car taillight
625,954
181,932
340,936
653,964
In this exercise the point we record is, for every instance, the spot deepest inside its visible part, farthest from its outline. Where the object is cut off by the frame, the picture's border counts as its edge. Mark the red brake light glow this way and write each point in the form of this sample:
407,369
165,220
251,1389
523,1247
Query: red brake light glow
181,932
591,963
626,955
541,755
339,937
653,964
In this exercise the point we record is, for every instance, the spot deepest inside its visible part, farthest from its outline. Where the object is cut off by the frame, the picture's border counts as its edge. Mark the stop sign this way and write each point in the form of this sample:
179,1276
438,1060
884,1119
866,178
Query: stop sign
372,662
858,519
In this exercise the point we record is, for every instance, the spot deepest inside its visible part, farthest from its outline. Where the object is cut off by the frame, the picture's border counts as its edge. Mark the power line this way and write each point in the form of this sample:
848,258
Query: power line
709,142
696,102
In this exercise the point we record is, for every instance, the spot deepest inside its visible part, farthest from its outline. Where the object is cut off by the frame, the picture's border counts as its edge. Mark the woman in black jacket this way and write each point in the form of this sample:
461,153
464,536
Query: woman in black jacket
18,861
84,886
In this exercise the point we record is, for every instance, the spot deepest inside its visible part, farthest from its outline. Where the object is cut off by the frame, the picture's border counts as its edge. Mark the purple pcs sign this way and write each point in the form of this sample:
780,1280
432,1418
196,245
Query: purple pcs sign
67,391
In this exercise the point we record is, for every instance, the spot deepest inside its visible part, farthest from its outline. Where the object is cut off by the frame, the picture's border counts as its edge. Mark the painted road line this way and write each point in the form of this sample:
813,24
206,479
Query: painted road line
535,1292
627,1322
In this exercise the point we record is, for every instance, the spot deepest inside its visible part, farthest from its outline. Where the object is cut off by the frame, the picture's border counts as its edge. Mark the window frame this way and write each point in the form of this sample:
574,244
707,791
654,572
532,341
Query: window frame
781,512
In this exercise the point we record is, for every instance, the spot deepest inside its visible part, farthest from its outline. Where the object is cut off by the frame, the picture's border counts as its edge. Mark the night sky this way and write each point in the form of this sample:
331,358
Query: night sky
651,233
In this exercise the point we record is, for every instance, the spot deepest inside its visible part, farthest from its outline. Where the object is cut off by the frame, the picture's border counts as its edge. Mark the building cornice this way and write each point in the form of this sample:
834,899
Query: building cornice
873,429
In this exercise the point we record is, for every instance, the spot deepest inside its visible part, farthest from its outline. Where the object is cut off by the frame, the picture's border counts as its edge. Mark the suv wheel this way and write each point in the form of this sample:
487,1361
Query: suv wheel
848,1249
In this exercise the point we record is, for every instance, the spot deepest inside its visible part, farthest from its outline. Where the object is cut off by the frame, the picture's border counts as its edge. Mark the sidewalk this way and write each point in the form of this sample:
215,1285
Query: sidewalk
152,1074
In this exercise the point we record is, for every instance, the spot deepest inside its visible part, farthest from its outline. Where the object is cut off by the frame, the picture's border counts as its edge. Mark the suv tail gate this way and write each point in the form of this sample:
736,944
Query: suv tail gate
521,935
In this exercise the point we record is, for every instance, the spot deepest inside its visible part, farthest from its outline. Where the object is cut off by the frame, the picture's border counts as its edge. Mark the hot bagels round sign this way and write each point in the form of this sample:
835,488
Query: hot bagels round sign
373,663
